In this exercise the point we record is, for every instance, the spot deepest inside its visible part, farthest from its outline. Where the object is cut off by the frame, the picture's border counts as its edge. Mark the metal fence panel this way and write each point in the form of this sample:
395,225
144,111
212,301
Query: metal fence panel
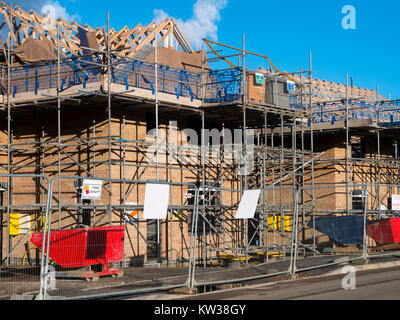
99,235
22,208
217,234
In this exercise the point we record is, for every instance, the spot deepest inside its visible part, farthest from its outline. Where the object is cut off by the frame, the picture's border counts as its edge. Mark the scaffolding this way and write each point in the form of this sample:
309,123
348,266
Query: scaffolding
111,77
111,86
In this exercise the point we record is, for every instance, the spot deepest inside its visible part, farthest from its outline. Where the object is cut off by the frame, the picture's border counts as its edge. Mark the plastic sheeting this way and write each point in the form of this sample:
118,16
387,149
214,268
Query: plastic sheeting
346,230
35,50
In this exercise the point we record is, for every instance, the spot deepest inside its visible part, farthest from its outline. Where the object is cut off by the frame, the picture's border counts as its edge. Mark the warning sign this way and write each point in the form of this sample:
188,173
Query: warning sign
19,223
91,189
131,214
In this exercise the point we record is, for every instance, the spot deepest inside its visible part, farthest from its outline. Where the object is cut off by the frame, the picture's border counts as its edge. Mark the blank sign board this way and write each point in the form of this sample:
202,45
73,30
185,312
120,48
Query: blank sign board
248,204
395,202
156,201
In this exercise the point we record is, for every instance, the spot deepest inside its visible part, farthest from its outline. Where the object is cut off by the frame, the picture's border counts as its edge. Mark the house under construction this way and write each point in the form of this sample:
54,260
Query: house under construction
139,104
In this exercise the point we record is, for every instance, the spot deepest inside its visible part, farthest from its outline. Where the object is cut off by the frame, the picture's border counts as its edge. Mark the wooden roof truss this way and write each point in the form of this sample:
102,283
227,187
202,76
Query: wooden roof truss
127,41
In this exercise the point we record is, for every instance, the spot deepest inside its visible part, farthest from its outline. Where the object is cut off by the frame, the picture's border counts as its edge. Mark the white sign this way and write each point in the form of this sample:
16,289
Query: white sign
291,86
396,202
260,78
91,189
248,204
156,201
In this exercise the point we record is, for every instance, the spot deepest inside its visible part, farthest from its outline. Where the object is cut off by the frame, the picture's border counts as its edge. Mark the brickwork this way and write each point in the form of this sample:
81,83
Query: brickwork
80,127
88,126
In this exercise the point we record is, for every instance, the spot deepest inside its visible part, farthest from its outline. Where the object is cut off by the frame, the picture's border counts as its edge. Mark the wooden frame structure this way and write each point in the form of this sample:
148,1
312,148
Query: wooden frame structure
21,25
282,134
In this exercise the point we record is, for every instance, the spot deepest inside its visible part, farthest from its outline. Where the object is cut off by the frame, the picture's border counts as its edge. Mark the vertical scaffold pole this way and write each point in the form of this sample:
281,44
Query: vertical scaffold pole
302,155
378,160
244,174
203,180
312,149
365,208
109,75
9,140
281,185
124,183
157,140
59,125
264,233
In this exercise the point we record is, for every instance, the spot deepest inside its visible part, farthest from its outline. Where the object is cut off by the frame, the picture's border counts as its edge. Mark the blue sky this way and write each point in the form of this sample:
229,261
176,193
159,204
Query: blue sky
285,31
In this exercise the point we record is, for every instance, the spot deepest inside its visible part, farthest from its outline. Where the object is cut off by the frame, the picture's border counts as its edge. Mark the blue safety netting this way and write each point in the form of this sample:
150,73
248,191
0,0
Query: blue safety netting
384,113
32,78
223,86
138,74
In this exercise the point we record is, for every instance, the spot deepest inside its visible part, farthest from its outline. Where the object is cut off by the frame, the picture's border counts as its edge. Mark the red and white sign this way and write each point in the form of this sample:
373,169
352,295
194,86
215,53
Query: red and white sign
396,202
91,189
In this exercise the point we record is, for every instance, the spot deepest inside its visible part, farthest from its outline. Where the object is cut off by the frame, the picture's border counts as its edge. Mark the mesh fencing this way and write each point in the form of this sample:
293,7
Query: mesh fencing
219,235
23,207
181,83
105,244
97,234
73,71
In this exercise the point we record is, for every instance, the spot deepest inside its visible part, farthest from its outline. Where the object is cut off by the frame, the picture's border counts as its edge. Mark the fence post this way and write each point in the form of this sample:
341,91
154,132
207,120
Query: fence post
4,187
293,252
365,248
193,236
46,244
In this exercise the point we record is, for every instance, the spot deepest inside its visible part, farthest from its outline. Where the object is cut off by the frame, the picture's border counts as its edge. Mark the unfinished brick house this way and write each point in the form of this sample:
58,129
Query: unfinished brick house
83,102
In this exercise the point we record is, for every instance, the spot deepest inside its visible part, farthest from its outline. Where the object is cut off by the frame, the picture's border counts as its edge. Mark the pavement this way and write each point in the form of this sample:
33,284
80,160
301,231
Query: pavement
375,278
157,279
369,284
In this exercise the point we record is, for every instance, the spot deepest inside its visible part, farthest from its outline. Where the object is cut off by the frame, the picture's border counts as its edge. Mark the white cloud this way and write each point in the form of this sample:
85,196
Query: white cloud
55,10
52,7
160,15
202,24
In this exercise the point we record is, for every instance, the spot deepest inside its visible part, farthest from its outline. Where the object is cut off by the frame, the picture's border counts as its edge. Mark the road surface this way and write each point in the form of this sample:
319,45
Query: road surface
381,284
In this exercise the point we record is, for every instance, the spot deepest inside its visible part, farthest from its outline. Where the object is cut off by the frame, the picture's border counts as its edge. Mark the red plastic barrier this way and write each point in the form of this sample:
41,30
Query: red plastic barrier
84,247
385,231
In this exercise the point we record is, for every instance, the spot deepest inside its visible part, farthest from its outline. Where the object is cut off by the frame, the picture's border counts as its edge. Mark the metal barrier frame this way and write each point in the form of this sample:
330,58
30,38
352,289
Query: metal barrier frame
43,295
191,282
365,254
46,178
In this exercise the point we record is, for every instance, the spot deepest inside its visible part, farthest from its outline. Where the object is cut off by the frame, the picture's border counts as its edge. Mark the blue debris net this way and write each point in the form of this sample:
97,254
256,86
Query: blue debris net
346,230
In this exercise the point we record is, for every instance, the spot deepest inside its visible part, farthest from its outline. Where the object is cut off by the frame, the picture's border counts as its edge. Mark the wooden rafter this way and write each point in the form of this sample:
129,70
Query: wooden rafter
181,38
25,25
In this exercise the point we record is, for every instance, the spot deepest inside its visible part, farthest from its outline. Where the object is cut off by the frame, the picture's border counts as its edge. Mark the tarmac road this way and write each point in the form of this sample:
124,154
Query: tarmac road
369,285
